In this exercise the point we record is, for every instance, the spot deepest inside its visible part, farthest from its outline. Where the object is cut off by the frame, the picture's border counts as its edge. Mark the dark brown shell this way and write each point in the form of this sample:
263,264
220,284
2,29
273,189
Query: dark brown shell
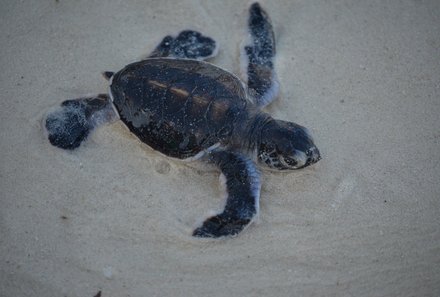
179,107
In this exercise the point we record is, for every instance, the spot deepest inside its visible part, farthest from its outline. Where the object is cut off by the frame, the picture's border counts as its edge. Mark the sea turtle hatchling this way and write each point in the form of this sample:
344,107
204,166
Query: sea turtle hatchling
189,109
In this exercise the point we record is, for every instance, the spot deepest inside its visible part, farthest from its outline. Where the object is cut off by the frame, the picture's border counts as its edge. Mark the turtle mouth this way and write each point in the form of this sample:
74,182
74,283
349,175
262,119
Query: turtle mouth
313,155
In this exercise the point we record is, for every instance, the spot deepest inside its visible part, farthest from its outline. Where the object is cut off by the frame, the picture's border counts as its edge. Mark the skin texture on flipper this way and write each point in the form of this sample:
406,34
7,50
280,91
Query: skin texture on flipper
69,125
258,57
186,45
242,181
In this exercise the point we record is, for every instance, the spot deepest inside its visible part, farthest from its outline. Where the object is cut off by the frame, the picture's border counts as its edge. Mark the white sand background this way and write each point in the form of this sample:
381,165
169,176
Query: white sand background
114,216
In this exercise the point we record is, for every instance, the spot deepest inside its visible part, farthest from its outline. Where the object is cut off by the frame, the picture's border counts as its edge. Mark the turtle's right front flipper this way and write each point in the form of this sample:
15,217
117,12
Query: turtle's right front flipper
187,45
70,124
243,193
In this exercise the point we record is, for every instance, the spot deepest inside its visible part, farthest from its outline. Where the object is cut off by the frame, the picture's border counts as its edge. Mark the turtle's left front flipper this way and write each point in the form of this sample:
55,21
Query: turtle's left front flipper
187,44
243,193
258,57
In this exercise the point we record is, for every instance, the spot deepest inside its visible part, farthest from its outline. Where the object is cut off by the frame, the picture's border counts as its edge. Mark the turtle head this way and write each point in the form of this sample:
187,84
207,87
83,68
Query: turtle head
286,145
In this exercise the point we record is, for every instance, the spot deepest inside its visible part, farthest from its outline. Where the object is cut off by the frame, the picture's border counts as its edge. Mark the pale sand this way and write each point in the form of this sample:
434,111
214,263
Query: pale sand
116,217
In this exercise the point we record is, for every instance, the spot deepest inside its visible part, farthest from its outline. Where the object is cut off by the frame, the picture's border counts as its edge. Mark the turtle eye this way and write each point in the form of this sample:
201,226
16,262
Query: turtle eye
290,162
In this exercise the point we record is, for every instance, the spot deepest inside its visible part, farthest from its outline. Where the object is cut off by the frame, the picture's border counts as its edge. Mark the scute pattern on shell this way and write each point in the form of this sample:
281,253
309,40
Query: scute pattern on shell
179,107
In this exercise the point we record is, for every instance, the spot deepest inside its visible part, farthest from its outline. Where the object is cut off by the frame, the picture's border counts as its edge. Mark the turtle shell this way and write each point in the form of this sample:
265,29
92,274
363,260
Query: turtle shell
179,107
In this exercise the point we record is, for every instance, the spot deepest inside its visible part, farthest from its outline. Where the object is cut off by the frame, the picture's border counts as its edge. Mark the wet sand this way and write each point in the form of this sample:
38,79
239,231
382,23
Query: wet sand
114,216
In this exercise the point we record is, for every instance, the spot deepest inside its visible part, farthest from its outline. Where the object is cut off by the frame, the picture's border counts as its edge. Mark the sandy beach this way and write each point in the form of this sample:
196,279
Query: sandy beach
116,217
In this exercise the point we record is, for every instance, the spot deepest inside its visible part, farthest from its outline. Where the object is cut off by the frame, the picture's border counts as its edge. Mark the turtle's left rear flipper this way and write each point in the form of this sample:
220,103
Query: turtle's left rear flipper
243,192
187,45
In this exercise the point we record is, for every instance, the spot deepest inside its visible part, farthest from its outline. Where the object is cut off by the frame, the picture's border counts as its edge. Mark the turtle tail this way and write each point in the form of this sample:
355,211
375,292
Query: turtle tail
70,124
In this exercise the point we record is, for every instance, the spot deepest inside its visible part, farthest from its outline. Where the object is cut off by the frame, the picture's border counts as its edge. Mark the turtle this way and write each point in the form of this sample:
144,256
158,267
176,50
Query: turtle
186,108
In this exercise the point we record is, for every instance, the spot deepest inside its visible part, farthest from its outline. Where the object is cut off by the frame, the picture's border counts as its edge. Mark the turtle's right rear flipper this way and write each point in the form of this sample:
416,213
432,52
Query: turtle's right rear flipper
70,124
187,45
